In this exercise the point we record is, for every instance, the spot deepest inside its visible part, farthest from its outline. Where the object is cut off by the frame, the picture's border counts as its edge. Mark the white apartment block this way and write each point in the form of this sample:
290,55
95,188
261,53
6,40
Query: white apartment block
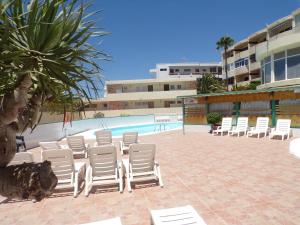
157,95
271,55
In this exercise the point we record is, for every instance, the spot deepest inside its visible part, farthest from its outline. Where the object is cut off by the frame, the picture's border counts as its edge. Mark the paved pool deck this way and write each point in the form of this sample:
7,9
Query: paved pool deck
228,180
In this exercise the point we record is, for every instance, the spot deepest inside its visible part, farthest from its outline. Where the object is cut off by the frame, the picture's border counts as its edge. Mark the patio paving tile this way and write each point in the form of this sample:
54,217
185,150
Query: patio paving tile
228,180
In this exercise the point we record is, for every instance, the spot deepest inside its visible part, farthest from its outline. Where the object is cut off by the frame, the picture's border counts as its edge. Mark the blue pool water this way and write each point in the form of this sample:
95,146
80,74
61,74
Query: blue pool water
141,129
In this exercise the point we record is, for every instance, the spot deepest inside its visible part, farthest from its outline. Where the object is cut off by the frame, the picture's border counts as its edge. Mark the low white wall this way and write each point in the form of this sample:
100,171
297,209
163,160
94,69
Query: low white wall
133,112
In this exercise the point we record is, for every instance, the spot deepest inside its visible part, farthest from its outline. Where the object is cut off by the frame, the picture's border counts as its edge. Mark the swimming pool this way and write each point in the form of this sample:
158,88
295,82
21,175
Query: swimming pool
142,129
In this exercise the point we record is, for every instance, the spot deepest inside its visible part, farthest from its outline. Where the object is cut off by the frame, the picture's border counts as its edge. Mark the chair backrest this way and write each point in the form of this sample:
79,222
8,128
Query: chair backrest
226,123
283,125
76,143
103,137
262,123
141,157
242,123
130,138
49,145
103,160
62,162
21,157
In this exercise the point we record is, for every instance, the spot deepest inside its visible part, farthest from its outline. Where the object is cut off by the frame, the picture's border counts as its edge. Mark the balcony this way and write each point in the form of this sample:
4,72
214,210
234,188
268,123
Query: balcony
254,66
279,42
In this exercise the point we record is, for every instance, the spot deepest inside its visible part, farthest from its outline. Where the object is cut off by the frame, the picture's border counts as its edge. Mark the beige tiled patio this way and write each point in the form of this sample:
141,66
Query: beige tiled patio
228,180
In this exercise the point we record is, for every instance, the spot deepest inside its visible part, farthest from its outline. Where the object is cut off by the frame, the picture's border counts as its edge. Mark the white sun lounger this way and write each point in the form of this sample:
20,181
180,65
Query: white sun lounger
77,144
104,168
21,157
295,147
113,221
103,137
262,126
282,129
68,173
176,216
141,164
241,127
225,127
128,139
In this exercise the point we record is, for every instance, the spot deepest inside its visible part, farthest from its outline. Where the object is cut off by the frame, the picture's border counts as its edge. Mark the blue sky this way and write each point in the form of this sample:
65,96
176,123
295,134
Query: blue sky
146,32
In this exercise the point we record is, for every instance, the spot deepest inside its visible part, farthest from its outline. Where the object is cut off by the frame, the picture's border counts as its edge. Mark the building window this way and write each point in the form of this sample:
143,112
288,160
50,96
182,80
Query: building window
186,71
203,70
197,70
213,69
163,69
179,87
105,105
172,87
293,63
279,66
171,70
241,62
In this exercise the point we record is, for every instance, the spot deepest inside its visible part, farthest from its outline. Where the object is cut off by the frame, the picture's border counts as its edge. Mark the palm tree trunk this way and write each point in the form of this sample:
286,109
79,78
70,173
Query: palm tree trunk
226,70
33,180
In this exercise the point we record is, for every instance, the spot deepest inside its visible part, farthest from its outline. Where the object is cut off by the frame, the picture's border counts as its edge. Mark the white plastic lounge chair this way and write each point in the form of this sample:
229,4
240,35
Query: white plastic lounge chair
128,139
262,126
22,157
77,144
241,127
176,216
49,145
283,127
225,127
68,173
103,137
141,164
104,168
113,221
295,147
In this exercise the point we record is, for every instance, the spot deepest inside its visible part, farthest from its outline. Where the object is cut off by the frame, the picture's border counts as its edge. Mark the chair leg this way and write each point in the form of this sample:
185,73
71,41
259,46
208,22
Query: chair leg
129,184
76,185
159,177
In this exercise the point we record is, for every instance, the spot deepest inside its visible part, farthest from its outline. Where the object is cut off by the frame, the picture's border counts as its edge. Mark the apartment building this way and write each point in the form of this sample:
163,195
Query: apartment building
183,70
156,95
270,55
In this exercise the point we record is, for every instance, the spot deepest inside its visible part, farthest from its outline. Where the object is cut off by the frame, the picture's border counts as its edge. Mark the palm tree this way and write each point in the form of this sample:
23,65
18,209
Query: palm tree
209,84
44,57
224,43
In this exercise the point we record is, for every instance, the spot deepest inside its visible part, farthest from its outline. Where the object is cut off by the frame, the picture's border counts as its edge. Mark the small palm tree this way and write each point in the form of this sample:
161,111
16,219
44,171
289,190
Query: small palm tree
44,57
209,84
224,43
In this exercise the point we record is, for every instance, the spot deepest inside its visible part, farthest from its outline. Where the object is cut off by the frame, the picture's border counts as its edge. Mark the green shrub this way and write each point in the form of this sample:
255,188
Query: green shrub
213,118
124,114
99,115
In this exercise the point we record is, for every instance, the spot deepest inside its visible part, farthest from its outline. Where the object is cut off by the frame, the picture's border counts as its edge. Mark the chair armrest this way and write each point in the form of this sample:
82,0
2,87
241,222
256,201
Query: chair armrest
88,174
64,146
87,146
120,168
272,130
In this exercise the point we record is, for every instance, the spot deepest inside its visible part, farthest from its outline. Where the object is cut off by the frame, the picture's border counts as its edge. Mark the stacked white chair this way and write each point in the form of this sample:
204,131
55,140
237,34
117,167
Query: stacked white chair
22,157
68,173
103,137
283,128
104,168
49,145
141,164
262,126
241,127
128,139
77,144
176,216
225,127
